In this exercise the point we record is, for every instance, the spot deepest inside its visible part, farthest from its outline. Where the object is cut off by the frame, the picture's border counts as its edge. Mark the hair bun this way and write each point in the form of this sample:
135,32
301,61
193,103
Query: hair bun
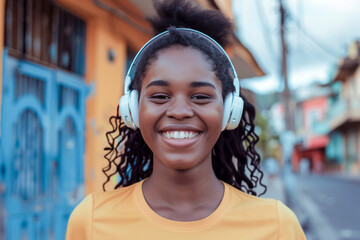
186,14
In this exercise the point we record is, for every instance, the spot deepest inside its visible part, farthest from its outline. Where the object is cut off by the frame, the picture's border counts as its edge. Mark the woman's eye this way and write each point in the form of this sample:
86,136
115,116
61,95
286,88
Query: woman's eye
159,98
201,98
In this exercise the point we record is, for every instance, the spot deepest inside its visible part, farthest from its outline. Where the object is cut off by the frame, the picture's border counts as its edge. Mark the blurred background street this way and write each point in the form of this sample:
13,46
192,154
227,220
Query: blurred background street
322,204
62,69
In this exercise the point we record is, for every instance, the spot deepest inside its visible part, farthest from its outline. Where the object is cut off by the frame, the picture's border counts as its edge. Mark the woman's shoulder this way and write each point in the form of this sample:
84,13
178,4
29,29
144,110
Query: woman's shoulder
96,200
79,223
274,212
288,222
258,206
250,201
97,203
117,195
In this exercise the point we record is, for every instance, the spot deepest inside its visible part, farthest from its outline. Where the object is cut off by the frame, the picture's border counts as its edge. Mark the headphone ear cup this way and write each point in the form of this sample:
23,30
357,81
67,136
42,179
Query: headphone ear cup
129,110
125,111
227,110
236,113
134,107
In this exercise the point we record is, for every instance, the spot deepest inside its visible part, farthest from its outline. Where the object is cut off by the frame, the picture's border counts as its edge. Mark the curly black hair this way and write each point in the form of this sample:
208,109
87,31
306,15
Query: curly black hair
234,158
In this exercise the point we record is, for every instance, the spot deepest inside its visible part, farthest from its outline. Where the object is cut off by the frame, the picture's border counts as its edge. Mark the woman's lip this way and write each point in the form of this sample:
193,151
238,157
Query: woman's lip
180,142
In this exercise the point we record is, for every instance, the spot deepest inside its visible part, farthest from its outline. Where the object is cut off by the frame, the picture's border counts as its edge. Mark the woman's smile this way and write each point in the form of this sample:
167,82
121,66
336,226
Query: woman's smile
180,139
180,134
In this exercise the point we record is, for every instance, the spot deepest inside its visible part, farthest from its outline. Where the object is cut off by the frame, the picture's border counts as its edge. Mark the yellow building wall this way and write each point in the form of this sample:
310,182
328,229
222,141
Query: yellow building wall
107,80
104,32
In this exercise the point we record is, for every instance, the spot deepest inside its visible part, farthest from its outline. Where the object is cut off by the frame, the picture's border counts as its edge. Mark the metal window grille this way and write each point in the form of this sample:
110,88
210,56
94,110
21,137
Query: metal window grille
41,31
28,158
68,97
26,85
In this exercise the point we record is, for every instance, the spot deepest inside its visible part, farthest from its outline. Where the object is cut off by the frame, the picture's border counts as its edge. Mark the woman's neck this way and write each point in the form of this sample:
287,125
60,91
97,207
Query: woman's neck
183,195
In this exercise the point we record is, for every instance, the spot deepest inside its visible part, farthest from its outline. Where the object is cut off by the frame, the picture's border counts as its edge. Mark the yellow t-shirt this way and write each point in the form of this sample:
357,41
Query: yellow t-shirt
125,214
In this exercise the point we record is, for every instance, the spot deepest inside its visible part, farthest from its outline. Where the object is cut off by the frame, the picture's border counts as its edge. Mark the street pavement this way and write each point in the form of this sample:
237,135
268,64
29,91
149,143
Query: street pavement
327,206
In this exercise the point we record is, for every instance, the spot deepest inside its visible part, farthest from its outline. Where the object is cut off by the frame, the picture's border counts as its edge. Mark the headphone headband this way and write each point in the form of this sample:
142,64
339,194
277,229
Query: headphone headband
132,68
129,106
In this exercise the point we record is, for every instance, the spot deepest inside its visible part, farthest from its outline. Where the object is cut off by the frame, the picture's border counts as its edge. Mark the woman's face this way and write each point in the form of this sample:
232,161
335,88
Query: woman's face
180,108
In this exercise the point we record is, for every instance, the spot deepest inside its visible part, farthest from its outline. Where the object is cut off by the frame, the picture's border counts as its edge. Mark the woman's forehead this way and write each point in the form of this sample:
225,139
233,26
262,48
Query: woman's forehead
180,63
176,48
181,57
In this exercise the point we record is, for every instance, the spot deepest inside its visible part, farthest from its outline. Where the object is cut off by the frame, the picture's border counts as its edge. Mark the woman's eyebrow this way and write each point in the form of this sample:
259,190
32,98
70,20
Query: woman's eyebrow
202,84
158,83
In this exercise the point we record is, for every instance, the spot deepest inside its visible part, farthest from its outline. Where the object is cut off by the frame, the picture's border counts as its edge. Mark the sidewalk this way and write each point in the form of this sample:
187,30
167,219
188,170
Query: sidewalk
345,176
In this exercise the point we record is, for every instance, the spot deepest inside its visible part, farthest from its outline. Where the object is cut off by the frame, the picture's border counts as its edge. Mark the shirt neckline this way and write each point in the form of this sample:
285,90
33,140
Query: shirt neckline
178,225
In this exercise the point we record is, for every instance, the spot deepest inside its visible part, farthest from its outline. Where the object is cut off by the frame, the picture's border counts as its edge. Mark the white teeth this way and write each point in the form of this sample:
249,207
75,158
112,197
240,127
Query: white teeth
176,134
179,134
192,134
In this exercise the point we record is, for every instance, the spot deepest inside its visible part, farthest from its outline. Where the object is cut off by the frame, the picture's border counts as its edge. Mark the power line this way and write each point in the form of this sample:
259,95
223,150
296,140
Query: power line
265,30
309,48
308,42
300,15
312,39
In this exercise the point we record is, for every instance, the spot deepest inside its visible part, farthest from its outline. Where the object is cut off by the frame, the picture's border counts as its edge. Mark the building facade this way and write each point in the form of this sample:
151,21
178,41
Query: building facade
343,118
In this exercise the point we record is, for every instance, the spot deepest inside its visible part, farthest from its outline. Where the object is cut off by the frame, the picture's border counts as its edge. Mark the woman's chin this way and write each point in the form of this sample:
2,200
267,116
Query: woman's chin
180,164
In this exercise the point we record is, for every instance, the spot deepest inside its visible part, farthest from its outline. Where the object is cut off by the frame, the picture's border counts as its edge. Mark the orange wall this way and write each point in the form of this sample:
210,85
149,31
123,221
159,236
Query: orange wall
104,32
106,77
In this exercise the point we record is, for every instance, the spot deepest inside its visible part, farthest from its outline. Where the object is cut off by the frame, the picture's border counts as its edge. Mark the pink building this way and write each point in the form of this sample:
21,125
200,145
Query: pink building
311,144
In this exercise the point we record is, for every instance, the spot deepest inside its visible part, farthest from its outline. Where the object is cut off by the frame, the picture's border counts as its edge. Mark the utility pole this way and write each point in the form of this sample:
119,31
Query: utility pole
289,123
287,138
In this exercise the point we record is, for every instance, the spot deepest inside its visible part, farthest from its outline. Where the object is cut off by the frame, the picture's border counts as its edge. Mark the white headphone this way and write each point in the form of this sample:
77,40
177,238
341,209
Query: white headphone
129,102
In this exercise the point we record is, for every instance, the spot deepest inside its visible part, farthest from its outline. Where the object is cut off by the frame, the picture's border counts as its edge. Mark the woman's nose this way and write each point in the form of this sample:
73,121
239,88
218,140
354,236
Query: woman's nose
179,108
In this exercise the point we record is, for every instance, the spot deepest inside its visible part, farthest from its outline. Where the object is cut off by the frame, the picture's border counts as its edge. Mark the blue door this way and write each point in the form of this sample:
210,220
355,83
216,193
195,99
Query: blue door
42,119
43,112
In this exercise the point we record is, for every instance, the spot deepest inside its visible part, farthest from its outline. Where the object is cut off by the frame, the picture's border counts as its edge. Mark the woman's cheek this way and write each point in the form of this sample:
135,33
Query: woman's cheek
150,113
214,114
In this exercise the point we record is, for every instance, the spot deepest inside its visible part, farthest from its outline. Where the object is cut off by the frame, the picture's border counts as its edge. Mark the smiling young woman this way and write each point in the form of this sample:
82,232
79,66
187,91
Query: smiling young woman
184,145
180,101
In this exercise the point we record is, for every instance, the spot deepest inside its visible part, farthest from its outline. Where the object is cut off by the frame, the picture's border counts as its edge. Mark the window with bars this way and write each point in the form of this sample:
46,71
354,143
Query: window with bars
41,31
26,85
68,96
